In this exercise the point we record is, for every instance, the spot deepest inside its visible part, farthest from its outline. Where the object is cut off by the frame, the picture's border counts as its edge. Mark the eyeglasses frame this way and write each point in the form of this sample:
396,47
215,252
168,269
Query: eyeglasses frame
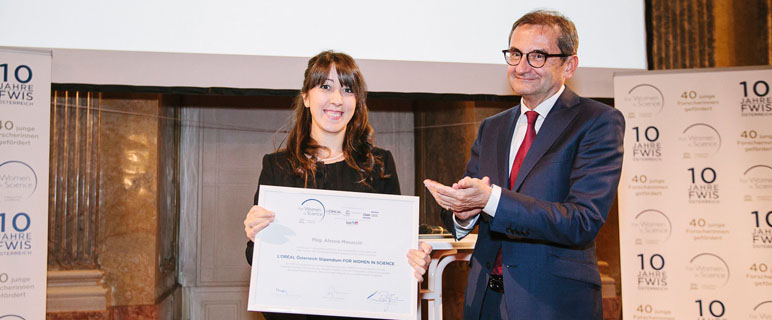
528,59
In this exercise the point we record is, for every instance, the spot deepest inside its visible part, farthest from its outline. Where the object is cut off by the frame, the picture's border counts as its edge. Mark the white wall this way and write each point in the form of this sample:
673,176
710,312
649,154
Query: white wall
611,32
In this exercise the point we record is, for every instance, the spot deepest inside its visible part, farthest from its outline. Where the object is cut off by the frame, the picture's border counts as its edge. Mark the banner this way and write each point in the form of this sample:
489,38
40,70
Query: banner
25,109
695,199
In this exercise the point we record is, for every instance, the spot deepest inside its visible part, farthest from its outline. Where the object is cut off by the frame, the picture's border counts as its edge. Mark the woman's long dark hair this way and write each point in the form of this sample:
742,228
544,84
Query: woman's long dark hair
358,140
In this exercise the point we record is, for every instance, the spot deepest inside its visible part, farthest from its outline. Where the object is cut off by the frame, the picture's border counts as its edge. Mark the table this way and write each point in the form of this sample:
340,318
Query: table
444,251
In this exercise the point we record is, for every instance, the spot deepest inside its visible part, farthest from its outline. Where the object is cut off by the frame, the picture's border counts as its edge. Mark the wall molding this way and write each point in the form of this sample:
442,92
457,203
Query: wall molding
76,290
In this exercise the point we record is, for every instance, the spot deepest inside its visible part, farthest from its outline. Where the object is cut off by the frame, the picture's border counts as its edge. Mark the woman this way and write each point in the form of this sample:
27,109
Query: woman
330,146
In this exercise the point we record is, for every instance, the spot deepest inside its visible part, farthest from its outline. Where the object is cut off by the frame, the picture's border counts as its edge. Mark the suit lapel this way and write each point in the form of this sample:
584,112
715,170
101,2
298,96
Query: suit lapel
554,124
504,143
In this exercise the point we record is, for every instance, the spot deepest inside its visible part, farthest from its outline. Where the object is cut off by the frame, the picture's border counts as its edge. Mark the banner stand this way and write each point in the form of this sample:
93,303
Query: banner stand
25,110
695,196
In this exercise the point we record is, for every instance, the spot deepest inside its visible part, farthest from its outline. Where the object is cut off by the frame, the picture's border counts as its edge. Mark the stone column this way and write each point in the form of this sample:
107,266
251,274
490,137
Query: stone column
138,204
74,279
113,220
74,176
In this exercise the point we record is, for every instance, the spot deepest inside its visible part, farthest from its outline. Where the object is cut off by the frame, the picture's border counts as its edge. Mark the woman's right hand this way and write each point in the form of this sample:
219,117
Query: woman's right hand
257,219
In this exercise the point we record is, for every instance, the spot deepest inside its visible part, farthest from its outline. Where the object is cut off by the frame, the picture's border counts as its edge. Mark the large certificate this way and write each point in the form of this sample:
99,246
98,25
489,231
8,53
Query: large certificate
335,253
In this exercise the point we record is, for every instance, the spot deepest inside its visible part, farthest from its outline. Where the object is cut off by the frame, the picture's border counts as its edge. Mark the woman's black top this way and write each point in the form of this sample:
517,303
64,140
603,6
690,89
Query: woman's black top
334,176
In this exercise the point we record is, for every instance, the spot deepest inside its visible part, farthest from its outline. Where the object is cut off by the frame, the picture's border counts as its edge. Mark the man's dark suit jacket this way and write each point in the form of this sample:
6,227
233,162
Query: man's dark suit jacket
547,223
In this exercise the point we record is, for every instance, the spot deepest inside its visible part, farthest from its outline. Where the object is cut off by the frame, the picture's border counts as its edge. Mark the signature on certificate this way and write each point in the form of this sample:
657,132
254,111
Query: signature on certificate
281,291
333,294
384,297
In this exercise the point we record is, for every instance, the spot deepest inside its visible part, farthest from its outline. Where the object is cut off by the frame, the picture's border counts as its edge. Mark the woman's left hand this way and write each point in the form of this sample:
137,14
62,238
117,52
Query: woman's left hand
419,259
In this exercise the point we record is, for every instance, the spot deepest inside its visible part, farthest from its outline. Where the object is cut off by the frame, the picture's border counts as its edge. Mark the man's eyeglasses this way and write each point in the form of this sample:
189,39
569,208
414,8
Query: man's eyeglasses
536,59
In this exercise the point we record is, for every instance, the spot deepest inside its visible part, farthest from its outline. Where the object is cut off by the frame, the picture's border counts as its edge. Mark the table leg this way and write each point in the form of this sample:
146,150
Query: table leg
437,288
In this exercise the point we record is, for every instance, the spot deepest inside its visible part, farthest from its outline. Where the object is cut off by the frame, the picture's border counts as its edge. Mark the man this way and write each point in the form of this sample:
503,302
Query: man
535,252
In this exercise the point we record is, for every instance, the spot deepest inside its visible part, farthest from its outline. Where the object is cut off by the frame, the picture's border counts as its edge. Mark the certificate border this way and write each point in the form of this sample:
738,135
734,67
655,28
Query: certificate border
413,309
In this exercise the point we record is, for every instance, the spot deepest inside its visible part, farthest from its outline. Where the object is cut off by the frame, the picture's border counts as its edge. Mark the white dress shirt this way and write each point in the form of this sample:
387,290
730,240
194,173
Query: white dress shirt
464,227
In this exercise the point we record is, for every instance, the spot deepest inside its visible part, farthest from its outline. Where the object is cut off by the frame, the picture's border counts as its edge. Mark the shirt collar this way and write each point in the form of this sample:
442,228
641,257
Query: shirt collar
545,106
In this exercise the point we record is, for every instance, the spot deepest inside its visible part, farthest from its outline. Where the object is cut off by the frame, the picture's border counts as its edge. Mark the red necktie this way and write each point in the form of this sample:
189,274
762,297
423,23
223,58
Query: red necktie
530,134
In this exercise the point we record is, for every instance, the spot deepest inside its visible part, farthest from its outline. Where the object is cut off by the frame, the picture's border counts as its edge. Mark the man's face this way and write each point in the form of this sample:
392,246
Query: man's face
537,84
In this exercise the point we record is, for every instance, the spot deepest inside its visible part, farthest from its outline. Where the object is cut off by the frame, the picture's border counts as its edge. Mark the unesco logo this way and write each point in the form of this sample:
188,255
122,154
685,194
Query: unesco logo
311,211
646,100
700,141
18,181
757,181
762,310
707,271
652,227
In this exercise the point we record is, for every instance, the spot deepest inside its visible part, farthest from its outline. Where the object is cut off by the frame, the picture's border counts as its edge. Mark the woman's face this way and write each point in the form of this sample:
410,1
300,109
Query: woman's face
332,106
